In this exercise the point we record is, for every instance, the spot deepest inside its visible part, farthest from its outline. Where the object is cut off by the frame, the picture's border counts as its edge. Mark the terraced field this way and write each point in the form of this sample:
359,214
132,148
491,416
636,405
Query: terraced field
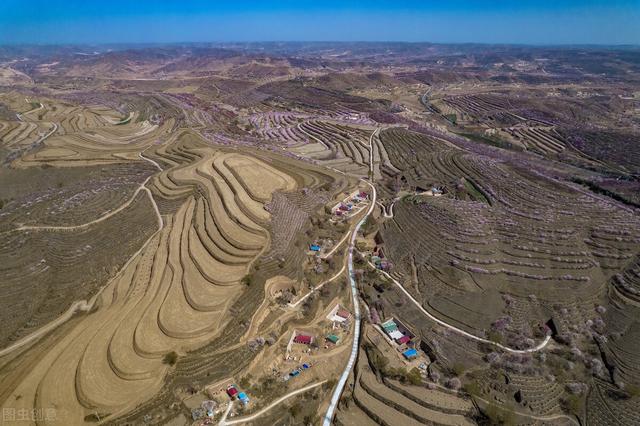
492,106
334,141
50,269
340,147
175,294
69,197
605,409
279,127
77,135
389,402
503,251
527,236
545,140
19,134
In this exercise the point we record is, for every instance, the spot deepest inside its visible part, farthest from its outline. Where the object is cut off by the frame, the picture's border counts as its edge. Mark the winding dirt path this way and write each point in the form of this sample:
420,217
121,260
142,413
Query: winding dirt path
224,421
81,305
337,246
388,212
29,112
106,216
318,287
538,347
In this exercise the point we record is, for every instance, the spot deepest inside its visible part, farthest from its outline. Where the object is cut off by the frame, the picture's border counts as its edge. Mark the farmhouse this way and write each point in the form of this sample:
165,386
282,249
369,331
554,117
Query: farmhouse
339,314
396,335
303,339
410,354
333,338
404,339
434,191
344,207
398,332
389,326
344,314
218,389
210,407
232,391
243,398
339,317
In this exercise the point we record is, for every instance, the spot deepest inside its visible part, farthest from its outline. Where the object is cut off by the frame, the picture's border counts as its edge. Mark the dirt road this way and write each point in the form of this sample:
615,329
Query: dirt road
224,421
538,347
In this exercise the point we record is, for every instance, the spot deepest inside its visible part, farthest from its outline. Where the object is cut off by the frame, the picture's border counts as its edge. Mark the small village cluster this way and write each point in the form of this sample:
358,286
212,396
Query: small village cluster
403,338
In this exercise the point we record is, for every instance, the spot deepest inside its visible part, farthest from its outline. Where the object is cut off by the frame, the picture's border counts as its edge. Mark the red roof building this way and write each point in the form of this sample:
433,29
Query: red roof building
305,340
403,340
232,391
343,313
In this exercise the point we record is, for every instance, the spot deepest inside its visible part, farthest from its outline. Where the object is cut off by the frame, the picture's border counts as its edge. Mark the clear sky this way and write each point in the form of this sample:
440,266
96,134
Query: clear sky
142,21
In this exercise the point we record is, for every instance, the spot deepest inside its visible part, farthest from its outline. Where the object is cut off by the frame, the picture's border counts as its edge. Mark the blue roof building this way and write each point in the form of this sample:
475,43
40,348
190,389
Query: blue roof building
243,398
410,353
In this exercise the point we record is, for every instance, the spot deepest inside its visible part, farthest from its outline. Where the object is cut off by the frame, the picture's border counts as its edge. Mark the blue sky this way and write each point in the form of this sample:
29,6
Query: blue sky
118,21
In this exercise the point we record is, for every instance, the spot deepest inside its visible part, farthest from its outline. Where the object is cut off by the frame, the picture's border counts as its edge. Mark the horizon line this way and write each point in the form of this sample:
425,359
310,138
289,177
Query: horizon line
461,43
